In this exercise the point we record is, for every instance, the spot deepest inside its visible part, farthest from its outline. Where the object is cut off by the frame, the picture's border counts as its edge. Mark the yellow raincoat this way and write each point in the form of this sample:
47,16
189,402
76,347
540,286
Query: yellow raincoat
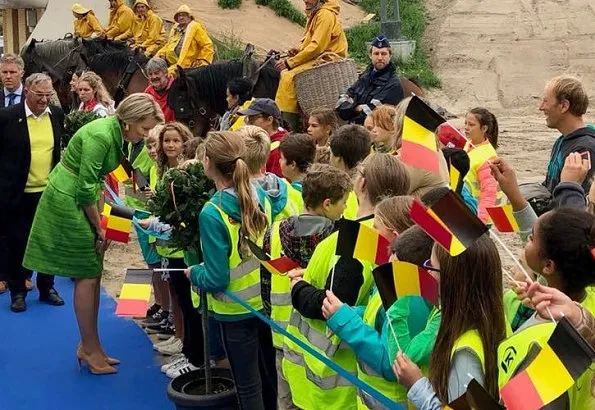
87,26
146,31
120,20
197,49
323,34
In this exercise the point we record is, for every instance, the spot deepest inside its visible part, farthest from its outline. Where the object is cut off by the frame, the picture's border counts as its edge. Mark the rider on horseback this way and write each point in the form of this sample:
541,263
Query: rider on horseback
120,19
323,34
86,24
146,31
188,44
378,85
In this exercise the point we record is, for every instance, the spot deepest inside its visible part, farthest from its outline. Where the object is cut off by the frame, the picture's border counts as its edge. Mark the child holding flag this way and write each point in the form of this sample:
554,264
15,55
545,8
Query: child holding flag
471,328
234,214
350,279
365,329
325,191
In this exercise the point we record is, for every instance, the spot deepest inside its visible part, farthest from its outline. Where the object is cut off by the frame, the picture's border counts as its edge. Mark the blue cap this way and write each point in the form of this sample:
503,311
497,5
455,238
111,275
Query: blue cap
381,42
262,106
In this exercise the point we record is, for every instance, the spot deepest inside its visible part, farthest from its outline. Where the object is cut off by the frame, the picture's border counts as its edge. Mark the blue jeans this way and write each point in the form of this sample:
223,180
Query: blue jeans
217,351
249,347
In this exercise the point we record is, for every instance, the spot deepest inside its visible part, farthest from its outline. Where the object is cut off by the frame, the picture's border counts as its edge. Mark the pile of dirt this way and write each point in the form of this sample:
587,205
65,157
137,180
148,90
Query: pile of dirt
252,23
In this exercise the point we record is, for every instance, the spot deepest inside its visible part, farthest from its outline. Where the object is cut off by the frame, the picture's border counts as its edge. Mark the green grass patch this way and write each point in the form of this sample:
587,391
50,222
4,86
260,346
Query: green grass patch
229,46
414,20
285,8
229,4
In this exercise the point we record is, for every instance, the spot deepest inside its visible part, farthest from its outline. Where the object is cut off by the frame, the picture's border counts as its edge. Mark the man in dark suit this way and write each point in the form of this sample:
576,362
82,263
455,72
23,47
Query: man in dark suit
12,69
30,134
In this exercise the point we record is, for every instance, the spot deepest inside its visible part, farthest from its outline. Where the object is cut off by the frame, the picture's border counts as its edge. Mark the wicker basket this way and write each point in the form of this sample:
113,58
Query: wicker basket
322,85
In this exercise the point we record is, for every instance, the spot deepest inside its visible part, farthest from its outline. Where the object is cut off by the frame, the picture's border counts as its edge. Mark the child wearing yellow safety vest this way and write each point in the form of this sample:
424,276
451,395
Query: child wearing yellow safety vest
468,337
325,190
560,248
234,214
238,96
350,144
283,200
365,328
314,385
297,153
481,129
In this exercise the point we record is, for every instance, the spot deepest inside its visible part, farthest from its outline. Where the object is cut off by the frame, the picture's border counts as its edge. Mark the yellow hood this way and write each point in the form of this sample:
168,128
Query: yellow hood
79,9
137,2
332,5
118,4
183,9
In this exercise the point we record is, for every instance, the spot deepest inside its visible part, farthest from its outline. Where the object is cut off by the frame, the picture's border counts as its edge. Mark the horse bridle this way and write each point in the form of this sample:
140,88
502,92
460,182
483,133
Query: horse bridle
131,68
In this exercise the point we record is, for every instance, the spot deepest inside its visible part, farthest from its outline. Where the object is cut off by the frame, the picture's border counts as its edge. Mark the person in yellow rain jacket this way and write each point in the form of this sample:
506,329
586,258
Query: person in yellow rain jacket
120,19
146,31
323,34
85,24
188,44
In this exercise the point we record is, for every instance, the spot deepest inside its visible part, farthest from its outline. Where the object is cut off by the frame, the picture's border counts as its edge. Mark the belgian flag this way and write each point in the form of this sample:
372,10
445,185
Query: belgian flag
135,293
124,171
119,223
360,242
503,218
449,222
475,398
555,369
419,148
280,266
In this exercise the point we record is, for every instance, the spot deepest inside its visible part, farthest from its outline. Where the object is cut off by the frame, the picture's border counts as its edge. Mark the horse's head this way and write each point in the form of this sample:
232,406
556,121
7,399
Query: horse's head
183,100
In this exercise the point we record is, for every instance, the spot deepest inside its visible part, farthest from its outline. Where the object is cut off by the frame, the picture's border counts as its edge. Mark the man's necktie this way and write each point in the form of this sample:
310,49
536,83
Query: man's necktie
11,98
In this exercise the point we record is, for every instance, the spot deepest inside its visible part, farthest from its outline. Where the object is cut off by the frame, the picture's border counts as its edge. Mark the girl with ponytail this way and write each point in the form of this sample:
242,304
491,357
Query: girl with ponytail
232,216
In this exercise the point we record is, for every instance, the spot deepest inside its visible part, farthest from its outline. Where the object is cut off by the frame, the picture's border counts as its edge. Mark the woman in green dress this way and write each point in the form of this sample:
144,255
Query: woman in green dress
66,238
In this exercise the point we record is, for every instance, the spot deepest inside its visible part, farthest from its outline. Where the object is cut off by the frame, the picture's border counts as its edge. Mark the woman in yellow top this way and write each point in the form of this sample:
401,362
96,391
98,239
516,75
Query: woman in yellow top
146,31
120,19
323,34
188,44
85,24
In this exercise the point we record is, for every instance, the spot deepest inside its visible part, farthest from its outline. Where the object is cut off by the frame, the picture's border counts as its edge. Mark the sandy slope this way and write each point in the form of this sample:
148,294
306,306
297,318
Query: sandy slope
255,24
499,53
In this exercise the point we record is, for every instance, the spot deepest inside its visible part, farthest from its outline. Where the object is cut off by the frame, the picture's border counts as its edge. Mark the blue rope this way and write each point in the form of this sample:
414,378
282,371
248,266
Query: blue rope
114,196
344,373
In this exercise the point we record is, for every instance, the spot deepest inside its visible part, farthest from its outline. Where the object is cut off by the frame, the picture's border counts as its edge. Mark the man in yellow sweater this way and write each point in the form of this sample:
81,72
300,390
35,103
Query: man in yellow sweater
120,19
188,44
30,134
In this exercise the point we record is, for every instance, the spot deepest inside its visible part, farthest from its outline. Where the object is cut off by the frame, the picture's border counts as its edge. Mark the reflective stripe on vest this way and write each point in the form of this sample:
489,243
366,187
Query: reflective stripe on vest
304,376
244,275
280,290
365,373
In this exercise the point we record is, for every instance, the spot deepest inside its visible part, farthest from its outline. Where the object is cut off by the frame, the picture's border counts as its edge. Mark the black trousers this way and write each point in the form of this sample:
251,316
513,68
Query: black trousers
17,226
193,347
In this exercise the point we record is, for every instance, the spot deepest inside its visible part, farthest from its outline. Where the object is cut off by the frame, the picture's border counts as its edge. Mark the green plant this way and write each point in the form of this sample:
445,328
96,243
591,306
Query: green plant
285,8
229,4
179,198
229,46
74,121
414,20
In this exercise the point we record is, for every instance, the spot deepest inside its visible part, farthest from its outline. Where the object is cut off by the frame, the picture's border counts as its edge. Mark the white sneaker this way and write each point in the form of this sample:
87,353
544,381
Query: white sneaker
171,349
180,368
175,359
156,346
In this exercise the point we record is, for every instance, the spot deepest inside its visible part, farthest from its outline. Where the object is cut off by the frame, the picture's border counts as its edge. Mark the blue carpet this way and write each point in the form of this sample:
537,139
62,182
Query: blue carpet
38,363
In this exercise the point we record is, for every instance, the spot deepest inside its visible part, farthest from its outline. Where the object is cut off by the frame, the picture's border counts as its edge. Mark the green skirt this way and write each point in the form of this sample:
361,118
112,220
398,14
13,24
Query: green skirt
62,241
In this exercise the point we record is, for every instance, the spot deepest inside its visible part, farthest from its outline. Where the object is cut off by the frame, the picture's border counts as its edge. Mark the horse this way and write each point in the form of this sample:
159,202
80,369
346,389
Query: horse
197,95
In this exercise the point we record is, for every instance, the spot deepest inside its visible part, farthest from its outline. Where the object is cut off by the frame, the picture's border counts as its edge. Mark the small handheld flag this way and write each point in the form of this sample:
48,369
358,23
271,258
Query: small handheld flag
455,178
475,398
124,171
360,242
135,293
398,279
119,223
139,180
419,148
503,218
554,370
279,266
449,222
450,137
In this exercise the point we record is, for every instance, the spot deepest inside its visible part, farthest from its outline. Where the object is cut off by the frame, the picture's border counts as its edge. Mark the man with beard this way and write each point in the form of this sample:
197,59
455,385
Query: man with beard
378,85
159,84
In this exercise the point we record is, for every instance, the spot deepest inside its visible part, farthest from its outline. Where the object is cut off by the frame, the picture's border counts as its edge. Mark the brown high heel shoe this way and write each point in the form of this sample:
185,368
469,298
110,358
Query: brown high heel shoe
94,368
110,360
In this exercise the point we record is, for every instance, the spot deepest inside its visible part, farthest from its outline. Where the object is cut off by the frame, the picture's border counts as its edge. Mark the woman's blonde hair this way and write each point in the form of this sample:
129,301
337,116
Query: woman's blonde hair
393,212
102,96
153,135
258,147
226,152
184,134
139,107
385,176
398,120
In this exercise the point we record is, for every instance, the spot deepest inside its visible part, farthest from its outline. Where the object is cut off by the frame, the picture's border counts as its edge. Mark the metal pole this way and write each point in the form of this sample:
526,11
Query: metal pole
206,348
